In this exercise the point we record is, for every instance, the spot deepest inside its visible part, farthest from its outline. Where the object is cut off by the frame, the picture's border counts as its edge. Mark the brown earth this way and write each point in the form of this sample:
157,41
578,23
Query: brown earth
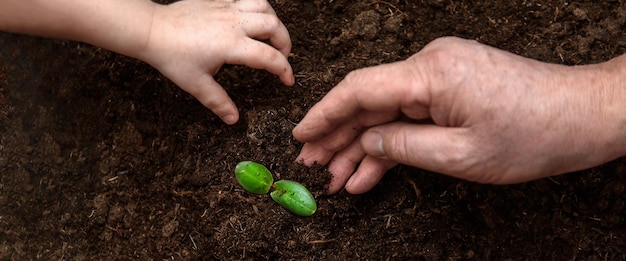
102,158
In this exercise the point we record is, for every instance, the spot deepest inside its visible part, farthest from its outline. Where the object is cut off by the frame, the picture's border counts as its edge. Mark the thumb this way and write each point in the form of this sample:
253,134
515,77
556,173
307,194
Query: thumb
430,147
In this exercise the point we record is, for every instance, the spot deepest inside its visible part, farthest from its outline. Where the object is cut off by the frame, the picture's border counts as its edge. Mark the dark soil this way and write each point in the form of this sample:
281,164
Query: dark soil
103,158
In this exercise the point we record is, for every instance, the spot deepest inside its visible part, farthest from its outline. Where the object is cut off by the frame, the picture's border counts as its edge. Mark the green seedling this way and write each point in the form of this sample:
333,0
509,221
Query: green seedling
254,177
294,197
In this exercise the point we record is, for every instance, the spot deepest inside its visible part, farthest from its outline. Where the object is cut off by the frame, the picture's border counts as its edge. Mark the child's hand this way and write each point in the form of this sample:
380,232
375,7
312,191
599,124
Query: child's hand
190,40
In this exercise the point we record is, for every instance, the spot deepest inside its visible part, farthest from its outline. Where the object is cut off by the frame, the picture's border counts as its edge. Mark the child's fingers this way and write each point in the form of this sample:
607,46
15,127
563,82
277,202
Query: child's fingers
258,55
269,28
255,6
213,96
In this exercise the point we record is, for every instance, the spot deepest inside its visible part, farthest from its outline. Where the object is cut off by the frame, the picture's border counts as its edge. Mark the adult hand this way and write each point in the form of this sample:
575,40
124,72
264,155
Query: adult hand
492,117
190,41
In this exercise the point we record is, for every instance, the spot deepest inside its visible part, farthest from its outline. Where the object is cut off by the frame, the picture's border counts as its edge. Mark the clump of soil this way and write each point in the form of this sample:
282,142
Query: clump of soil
104,158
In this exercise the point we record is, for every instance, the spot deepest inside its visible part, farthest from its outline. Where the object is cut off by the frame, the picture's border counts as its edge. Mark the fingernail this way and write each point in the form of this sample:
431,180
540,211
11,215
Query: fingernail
229,119
349,183
372,143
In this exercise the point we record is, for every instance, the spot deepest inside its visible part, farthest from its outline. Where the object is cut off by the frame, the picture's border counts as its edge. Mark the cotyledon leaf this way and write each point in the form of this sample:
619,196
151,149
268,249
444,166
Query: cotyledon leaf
294,197
254,177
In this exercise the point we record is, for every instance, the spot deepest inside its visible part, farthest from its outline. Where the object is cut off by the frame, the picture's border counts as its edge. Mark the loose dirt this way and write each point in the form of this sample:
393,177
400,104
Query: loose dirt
103,158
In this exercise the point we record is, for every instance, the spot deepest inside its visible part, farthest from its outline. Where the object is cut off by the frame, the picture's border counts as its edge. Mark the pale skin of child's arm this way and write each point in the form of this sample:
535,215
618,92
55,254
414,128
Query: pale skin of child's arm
187,41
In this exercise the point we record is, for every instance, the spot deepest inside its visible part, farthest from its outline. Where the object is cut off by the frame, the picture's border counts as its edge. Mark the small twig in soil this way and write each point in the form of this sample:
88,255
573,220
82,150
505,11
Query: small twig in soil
388,221
321,241
194,243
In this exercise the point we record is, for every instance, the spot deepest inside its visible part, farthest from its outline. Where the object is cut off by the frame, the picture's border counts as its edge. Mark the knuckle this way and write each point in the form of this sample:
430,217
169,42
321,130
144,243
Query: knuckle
271,54
473,163
445,56
263,5
458,159
218,106
273,22
401,151
461,159
354,77
449,43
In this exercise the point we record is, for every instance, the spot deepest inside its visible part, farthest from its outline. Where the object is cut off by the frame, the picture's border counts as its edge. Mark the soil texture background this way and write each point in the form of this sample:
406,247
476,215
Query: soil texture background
103,158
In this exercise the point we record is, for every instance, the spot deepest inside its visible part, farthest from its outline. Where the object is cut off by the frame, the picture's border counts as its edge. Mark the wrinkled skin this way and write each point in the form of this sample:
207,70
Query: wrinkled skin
486,115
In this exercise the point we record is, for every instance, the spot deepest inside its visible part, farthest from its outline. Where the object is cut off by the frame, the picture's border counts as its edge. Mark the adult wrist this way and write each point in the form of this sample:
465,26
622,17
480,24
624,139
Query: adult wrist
614,78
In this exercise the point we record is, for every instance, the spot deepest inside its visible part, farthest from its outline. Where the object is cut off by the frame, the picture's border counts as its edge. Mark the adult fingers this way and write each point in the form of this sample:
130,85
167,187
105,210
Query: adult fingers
313,153
435,148
342,166
383,88
342,146
346,132
259,55
268,28
370,172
